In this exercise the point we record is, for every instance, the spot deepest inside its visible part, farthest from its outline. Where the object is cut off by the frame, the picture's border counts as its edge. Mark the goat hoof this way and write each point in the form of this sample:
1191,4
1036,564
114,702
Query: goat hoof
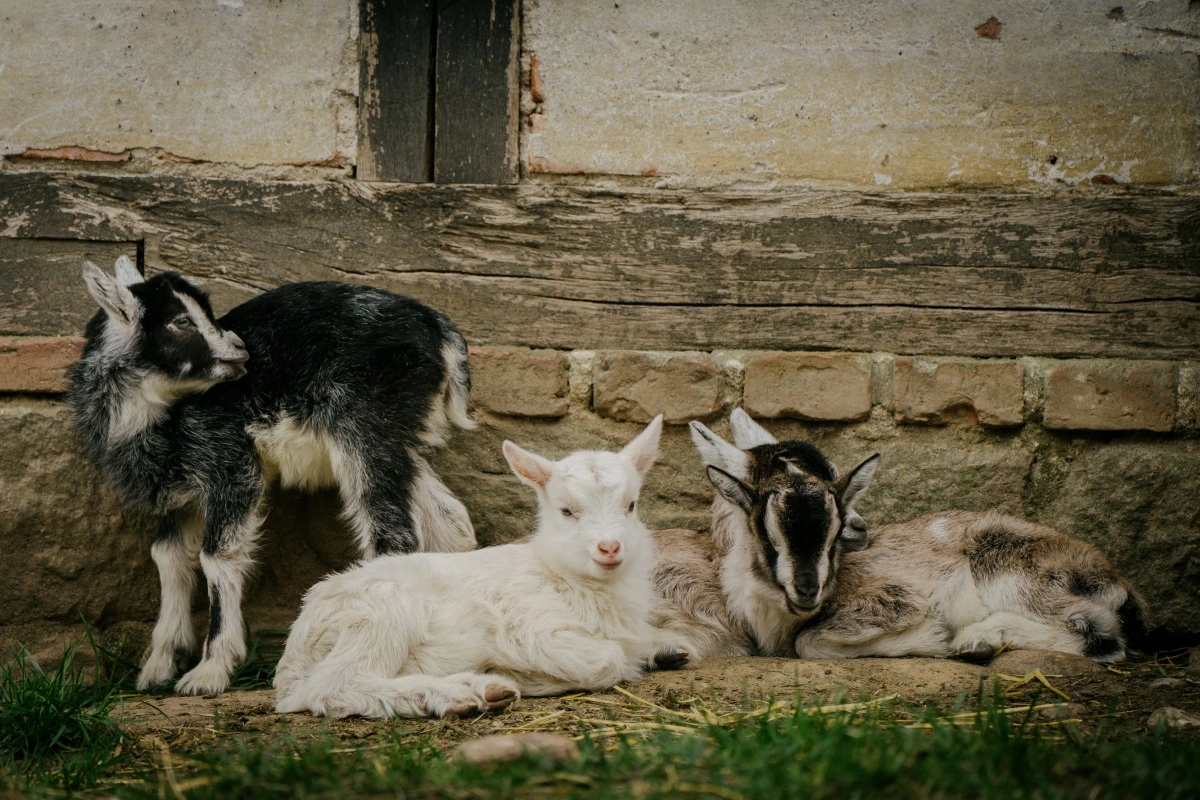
671,658
498,697
977,654
461,708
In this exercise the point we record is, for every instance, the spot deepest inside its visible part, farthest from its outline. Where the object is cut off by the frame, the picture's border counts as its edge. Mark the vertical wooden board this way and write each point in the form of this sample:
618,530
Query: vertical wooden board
41,284
396,72
476,101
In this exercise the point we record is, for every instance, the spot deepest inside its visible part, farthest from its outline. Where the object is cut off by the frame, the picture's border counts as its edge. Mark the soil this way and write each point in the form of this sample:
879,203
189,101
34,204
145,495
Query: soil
1099,697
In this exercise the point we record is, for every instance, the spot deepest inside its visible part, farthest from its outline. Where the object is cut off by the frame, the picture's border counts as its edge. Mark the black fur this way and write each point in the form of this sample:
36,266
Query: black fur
364,366
1133,623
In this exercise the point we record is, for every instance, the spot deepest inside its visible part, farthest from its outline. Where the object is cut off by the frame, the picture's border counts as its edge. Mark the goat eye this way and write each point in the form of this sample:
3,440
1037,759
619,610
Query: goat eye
631,503
182,321
566,512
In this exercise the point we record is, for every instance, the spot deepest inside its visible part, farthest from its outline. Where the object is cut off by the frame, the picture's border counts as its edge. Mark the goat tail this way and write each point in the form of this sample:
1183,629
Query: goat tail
458,383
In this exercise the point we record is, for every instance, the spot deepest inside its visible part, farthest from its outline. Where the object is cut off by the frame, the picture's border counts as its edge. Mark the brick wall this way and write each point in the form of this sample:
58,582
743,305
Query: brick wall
633,386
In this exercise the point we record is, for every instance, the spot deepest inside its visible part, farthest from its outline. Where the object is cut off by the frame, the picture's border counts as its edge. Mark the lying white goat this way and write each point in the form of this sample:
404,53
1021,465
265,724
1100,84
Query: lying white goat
437,634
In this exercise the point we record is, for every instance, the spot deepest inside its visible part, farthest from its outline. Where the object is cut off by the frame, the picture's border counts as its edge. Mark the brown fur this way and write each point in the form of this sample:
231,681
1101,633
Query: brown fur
692,613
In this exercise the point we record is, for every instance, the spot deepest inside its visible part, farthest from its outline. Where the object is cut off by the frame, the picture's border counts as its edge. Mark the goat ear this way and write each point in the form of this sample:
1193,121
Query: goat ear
854,534
127,273
732,489
642,452
529,467
111,295
746,432
855,482
716,452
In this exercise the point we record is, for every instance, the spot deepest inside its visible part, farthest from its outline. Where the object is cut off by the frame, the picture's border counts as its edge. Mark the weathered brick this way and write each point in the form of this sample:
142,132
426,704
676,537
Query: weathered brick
635,387
519,382
812,386
1110,395
937,392
37,363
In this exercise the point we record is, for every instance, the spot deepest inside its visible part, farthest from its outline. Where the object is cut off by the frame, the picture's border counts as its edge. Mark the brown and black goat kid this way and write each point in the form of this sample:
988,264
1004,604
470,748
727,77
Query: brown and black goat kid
316,384
797,581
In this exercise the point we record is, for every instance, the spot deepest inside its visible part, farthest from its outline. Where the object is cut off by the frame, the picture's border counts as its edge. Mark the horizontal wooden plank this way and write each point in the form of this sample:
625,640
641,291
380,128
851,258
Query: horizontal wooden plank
973,274
41,284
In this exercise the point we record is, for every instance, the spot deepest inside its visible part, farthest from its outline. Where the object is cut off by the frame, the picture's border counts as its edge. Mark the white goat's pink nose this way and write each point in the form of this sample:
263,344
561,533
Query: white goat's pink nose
609,547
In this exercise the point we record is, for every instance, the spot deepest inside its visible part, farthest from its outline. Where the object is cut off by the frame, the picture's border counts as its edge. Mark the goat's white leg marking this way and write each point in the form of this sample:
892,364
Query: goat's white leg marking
226,573
176,557
926,638
1021,632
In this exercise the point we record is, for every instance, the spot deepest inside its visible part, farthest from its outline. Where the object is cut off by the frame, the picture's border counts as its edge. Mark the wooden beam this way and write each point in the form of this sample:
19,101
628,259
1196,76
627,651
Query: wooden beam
41,284
396,106
477,92
1113,275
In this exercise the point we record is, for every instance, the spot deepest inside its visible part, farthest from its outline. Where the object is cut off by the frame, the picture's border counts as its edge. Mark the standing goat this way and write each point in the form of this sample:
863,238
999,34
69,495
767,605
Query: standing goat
798,578
452,634
346,386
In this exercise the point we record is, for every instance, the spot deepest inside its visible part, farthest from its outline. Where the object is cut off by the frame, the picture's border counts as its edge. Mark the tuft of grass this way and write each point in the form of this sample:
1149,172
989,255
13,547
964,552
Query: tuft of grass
257,671
868,753
57,726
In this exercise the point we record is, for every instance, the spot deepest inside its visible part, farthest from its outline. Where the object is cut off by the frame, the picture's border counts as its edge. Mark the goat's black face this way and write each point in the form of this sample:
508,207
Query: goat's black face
800,520
166,326
181,338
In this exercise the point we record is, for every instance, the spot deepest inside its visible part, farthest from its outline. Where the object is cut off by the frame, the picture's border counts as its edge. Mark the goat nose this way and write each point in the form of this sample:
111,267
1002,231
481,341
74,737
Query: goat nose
609,547
235,340
807,594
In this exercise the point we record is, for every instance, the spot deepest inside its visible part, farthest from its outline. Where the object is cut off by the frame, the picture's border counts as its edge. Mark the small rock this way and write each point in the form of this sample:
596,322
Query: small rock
1173,718
1167,683
1065,711
510,747
1193,664
1050,662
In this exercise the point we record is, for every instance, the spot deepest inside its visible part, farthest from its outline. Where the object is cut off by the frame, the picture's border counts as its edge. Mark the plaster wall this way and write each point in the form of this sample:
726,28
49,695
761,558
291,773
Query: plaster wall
242,82
912,94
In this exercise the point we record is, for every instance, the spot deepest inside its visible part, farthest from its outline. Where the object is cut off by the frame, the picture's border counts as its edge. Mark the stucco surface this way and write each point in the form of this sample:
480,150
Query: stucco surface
230,81
897,94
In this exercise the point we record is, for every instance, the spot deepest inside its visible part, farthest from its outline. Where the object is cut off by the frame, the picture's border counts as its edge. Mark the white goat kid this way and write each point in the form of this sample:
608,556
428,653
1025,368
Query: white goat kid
452,634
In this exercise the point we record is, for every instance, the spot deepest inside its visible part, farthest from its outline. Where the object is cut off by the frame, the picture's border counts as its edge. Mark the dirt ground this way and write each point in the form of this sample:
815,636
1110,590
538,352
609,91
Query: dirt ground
1093,694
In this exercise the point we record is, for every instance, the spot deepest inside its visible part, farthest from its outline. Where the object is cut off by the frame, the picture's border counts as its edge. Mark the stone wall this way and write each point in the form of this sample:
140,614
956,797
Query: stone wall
1104,449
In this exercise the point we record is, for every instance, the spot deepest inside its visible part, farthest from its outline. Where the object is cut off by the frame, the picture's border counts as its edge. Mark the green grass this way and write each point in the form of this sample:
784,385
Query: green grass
802,755
58,737
56,726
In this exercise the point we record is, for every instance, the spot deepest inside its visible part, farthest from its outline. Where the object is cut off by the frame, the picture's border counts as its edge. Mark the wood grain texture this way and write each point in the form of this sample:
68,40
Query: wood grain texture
396,72
476,96
41,284
1114,275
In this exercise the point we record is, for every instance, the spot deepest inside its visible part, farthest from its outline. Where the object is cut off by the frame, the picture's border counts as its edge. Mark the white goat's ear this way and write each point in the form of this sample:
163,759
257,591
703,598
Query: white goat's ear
855,482
716,452
746,432
529,467
127,273
642,452
112,296
732,489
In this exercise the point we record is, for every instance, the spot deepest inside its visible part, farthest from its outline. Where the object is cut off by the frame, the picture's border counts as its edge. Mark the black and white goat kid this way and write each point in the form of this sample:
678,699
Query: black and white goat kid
316,384
955,584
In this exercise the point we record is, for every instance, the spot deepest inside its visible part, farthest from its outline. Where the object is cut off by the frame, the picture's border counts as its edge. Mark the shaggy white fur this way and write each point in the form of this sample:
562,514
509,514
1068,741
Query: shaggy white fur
449,634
